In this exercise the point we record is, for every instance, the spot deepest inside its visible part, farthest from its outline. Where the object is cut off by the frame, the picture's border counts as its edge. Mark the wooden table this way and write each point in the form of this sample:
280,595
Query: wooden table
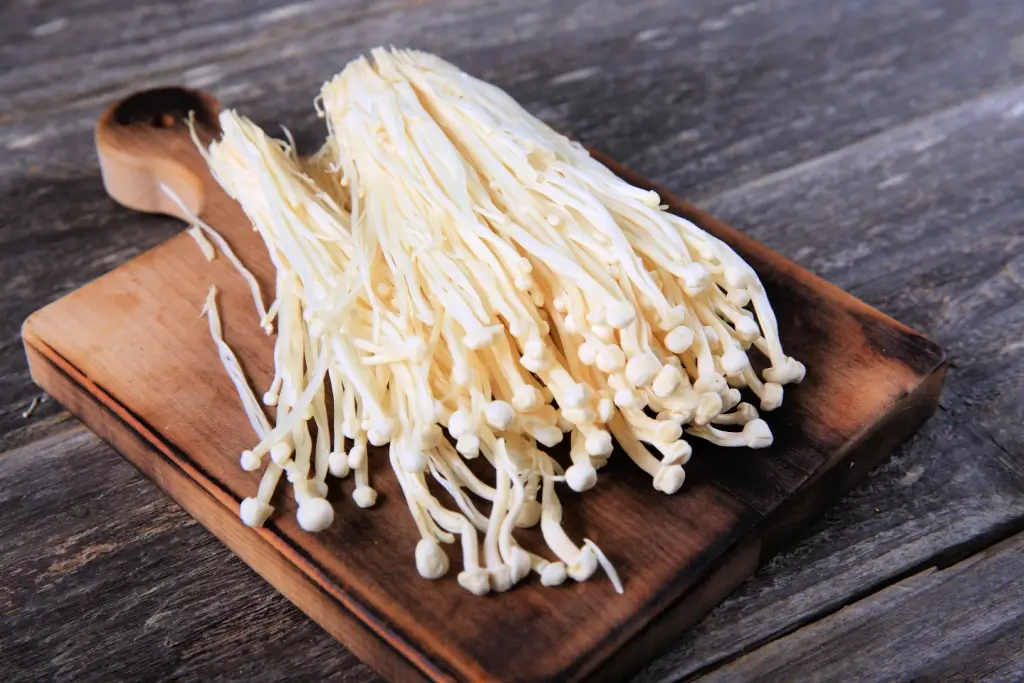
880,143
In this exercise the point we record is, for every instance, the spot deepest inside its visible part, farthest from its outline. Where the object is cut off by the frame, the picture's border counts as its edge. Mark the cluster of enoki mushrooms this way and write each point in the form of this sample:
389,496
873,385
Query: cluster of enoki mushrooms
455,280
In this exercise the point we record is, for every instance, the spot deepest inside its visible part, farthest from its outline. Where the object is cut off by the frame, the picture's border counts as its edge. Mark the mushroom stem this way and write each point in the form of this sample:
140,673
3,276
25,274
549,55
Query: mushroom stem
447,262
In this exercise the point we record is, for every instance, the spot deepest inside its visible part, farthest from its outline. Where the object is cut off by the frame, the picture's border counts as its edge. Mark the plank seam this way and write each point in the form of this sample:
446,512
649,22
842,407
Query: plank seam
940,560
286,33
1013,91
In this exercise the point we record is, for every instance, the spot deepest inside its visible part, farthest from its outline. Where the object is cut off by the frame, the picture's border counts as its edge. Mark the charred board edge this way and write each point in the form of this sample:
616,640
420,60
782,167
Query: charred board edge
782,528
776,532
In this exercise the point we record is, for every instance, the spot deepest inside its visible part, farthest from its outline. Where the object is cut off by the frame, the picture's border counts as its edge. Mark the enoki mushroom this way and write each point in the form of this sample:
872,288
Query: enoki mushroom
456,280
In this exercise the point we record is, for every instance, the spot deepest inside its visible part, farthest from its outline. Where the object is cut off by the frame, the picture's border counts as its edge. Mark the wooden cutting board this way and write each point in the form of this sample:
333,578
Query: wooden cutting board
128,355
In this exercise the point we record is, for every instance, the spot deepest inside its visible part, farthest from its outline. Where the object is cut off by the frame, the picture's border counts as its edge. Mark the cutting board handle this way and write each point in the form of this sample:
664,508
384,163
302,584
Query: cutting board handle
144,146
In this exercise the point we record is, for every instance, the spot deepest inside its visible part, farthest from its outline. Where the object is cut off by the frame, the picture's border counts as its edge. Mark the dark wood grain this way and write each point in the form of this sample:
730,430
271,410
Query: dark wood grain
708,111
975,605
121,611
901,222
650,82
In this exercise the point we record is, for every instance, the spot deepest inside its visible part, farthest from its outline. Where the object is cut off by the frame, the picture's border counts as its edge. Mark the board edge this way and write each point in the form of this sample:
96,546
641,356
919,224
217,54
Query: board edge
366,634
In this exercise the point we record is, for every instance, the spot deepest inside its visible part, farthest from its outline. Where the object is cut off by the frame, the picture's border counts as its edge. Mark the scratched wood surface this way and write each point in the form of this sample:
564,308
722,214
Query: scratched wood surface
877,143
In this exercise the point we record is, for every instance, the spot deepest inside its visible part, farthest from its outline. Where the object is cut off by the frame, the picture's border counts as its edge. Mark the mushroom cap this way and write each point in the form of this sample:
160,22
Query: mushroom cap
254,512
315,514
676,453
679,339
280,452
364,496
526,399
619,314
581,477
476,581
548,435
757,434
771,396
468,445
640,370
746,328
554,574
586,565
431,560
357,455
520,564
734,361
668,431
500,414
610,359
667,380
669,479
337,464
501,578
709,407
599,443
250,461
730,398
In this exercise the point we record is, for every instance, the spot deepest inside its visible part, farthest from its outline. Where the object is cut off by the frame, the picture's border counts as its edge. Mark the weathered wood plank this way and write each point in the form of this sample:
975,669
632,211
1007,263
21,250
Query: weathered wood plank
699,106
108,579
927,223
150,39
653,82
53,238
699,96
963,623
950,486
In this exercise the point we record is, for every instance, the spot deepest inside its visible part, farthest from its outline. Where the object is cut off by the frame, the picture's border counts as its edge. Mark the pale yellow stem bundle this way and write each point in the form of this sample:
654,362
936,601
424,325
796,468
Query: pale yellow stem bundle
474,284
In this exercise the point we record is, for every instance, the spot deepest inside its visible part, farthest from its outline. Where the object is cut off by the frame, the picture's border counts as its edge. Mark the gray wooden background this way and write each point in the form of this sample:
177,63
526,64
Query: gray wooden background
880,143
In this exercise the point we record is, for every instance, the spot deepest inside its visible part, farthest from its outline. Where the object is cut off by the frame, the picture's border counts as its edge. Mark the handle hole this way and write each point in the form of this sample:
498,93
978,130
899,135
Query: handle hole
163,108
